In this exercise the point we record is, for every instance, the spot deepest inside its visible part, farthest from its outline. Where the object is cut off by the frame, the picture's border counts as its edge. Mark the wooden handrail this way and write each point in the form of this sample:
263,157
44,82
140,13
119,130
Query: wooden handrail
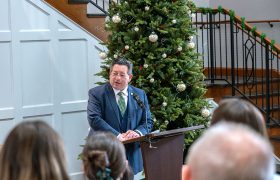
257,33
248,27
226,22
263,21
239,27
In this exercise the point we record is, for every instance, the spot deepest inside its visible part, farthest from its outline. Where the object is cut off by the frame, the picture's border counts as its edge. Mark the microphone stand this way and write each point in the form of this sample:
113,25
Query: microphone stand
143,107
145,116
145,113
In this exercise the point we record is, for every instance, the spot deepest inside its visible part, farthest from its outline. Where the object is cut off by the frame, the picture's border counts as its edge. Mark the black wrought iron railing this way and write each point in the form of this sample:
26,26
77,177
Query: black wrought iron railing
102,6
237,54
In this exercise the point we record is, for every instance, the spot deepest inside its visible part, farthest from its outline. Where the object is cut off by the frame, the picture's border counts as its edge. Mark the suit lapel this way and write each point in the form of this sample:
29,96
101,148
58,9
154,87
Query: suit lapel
112,101
132,106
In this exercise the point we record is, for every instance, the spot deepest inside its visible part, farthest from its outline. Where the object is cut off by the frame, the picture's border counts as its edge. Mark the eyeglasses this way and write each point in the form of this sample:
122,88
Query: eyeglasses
115,74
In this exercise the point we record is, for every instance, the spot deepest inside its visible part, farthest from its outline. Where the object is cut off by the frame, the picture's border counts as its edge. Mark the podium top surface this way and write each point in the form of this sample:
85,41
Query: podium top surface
168,133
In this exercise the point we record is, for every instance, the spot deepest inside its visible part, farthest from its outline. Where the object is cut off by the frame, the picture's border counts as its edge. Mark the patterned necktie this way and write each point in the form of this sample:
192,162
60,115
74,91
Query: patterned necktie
121,102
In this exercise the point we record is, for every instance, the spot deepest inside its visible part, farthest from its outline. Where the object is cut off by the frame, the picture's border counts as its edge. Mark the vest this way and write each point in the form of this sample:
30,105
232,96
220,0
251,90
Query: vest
123,120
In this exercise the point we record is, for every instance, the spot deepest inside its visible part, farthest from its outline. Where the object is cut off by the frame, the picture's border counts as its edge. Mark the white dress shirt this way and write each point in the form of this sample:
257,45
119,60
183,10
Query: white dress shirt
125,95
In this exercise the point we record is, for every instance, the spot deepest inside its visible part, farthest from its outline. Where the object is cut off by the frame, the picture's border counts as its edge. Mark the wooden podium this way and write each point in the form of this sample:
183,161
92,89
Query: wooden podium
163,153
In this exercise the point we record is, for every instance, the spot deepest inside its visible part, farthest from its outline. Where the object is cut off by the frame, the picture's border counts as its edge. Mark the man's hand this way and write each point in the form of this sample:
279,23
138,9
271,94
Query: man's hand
130,134
121,137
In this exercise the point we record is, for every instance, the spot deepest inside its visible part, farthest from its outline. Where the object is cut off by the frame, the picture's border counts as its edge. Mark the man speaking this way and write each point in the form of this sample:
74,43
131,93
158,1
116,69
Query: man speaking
122,109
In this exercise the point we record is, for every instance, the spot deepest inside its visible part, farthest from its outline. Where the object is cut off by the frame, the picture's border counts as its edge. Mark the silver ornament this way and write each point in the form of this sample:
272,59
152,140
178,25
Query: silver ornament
181,87
136,29
102,55
153,37
191,45
179,48
116,19
205,112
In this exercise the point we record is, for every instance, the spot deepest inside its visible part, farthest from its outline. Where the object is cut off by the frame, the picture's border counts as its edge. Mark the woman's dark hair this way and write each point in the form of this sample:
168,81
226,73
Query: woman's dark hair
239,111
33,151
104,155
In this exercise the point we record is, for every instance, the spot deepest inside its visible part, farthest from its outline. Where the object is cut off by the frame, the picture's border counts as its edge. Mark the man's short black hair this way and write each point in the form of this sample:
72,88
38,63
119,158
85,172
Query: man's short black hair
123,61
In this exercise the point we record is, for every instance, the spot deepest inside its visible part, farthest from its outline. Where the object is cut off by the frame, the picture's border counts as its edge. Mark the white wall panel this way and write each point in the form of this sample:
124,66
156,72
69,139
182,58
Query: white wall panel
46,118
5,35
4,15
73,133
63,27
37,110
73,69
72,106
6,127
47,65
7,114
31,16
37,85
6,75
35,35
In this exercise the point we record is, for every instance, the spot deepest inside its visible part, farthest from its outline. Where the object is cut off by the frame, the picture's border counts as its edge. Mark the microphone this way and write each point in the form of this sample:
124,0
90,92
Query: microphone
142,105
139,101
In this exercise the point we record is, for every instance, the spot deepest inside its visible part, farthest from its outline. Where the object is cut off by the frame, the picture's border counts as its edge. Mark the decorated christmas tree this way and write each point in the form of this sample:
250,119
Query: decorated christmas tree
156,36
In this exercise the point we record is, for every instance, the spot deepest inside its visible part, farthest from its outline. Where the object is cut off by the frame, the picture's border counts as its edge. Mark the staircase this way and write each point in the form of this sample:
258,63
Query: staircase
254,91
77,11
221,90
240,62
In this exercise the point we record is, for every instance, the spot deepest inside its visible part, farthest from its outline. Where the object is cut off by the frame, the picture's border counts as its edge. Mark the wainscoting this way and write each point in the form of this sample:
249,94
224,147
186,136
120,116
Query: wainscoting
47,65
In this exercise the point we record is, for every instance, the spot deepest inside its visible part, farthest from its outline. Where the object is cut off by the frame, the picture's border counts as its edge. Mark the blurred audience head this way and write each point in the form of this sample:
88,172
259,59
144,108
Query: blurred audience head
104,157
228,151
33,151
239,111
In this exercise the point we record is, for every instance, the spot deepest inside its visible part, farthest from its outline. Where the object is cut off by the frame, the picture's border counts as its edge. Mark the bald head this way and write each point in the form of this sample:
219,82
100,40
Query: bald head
232,152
